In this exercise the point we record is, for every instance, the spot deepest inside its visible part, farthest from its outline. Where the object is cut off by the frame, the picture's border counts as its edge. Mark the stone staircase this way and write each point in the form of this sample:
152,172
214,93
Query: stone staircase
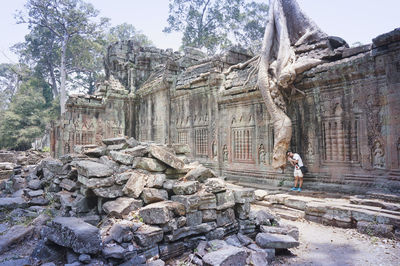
372,213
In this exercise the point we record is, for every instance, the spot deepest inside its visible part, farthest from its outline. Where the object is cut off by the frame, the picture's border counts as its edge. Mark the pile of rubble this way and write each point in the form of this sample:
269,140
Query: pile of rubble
132,203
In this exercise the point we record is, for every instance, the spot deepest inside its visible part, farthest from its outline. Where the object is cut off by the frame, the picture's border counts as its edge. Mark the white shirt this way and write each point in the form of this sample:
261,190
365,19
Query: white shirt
297,157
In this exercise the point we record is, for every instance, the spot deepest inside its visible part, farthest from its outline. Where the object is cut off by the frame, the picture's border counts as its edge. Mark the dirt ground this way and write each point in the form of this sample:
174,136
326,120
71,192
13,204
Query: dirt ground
325,245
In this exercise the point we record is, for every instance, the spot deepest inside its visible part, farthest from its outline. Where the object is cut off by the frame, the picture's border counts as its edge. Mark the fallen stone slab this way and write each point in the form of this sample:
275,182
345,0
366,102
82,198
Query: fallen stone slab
225,256
243,195
260,194
114,141
208,201
92,169
161,212
14,235
166,157
35,184
135,185
109,192
113,251
200,173
190,230
95,152
74,233
225,200
215,185
225,217
374,229
156,180
121,206
121,157
266,240
148,164
191,202
151,195
68,184
291,231
96,182
186,187
138,151
148,235
12,203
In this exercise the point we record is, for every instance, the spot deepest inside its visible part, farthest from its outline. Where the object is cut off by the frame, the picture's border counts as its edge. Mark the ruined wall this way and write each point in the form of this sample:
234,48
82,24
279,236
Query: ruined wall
346,126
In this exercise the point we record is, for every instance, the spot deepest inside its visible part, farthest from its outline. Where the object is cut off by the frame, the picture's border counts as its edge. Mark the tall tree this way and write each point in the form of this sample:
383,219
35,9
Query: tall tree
124,32
65,19
213,24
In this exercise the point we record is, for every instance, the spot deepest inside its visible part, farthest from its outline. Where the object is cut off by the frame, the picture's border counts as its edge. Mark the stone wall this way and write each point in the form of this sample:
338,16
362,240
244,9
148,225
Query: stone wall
346,126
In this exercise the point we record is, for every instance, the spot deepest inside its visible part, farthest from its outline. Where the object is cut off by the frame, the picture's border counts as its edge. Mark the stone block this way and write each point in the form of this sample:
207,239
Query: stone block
113,251
151,195
215,185
208,201
136,183
13,236
375,229
166,157
191,202
225,217
181,148
242,210
243,195
156,180
148,164
148,235
92,169
260,194
186,187
109,192
35,184
247,227
200,173
121,206
96,152
209,215
171,250
161,212
116,147
132,142
121,157
277,241
121,231
225,200
114,141
138,151
96,182
269,251
291,231
68,184
190,230
225,256
73,233
194,218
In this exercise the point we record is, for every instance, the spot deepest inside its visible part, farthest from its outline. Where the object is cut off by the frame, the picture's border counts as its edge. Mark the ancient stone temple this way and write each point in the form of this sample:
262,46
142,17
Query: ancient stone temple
346,121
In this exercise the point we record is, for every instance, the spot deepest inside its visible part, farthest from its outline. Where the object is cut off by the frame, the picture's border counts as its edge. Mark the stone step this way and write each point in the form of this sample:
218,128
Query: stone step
384,196
375,203
287,212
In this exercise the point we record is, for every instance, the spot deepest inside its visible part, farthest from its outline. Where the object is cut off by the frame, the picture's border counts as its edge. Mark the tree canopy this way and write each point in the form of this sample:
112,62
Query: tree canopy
216,24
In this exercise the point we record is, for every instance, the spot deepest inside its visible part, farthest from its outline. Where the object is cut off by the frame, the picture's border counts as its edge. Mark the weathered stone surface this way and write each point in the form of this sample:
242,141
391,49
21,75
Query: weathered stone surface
73,233
215,185
291,231
181,148
191,202
68,184
156,263
266,240
132,142
200,174
96,182
242,210
194,218
186,187
114,141
136,183
156,180
151,195
148,235
260,194
92,169
225,256
261,217
148,164
121,231
113,251
122,178
190,230
116,147
121,206
207,201
12,203
225,200
166,157
138,151
225,217
14,235
209,215
95,152
233,240
35,184
243,195
246,226
121,157
109,192
33,193
374,229
161,212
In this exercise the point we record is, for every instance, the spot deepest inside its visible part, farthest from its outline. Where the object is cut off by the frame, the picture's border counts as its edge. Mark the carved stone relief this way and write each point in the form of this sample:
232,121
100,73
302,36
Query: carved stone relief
378,155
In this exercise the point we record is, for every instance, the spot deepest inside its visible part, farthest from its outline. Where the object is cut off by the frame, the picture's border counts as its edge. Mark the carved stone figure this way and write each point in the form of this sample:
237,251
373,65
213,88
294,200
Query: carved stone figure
261,154
225,153
214,150
378,155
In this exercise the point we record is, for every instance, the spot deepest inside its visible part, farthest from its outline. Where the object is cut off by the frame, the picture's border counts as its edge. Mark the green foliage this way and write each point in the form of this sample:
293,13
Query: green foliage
212,24
26,117
124,32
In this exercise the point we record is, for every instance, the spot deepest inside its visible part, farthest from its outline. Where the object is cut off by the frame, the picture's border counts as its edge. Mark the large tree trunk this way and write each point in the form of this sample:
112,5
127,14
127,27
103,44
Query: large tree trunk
287,27
53,80
63,93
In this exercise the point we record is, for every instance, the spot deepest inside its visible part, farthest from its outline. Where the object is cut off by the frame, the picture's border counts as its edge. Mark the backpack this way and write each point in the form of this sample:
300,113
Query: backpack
304,169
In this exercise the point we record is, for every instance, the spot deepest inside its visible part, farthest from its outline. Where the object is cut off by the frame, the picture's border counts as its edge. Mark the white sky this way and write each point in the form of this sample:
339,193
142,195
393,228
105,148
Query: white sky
353,20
